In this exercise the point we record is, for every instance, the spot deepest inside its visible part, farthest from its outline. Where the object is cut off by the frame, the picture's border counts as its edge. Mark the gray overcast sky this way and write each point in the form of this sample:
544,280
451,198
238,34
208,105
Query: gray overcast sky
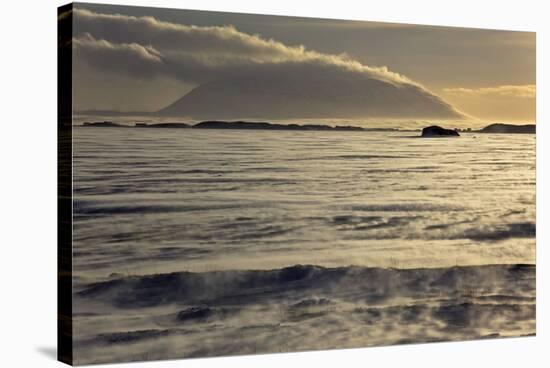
488,74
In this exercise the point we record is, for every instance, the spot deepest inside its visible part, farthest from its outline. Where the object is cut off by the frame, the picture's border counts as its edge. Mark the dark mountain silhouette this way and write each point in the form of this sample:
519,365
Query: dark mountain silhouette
303,97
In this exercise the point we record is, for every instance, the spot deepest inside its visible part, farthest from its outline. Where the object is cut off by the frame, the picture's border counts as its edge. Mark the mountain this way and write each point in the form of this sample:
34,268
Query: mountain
267,97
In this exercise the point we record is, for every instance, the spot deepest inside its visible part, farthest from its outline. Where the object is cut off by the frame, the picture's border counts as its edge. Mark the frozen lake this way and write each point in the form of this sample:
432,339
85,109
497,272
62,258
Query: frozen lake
187,235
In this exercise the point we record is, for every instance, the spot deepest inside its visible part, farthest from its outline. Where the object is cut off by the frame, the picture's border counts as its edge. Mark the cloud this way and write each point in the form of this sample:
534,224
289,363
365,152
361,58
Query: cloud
203,49
222,56
133,57
522,91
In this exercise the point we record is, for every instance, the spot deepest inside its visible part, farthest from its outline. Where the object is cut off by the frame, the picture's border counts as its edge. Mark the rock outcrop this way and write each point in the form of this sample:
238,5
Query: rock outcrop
509,128
103,124
260,125
437,131
162,125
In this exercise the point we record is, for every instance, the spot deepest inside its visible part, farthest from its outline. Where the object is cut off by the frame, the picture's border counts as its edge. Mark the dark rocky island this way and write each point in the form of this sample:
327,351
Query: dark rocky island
509,128
437,131
243,125
269,126
103,124
162,125
431,131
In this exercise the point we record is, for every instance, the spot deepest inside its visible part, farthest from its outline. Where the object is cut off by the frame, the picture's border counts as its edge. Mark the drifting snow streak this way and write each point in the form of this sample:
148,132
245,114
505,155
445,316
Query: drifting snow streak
152,203
301,307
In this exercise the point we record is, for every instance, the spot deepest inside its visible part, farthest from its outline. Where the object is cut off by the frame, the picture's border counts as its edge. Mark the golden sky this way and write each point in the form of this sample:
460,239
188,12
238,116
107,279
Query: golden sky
489,75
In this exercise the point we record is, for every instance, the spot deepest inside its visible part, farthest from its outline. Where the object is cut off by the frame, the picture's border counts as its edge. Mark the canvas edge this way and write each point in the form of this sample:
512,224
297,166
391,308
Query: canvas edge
64,185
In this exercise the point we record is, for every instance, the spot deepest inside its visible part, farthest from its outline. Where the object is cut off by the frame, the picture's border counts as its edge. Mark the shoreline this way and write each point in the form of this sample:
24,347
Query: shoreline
255,125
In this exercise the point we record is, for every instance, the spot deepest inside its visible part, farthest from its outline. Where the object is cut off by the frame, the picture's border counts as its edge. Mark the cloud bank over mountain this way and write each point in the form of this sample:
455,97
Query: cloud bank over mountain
239,75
